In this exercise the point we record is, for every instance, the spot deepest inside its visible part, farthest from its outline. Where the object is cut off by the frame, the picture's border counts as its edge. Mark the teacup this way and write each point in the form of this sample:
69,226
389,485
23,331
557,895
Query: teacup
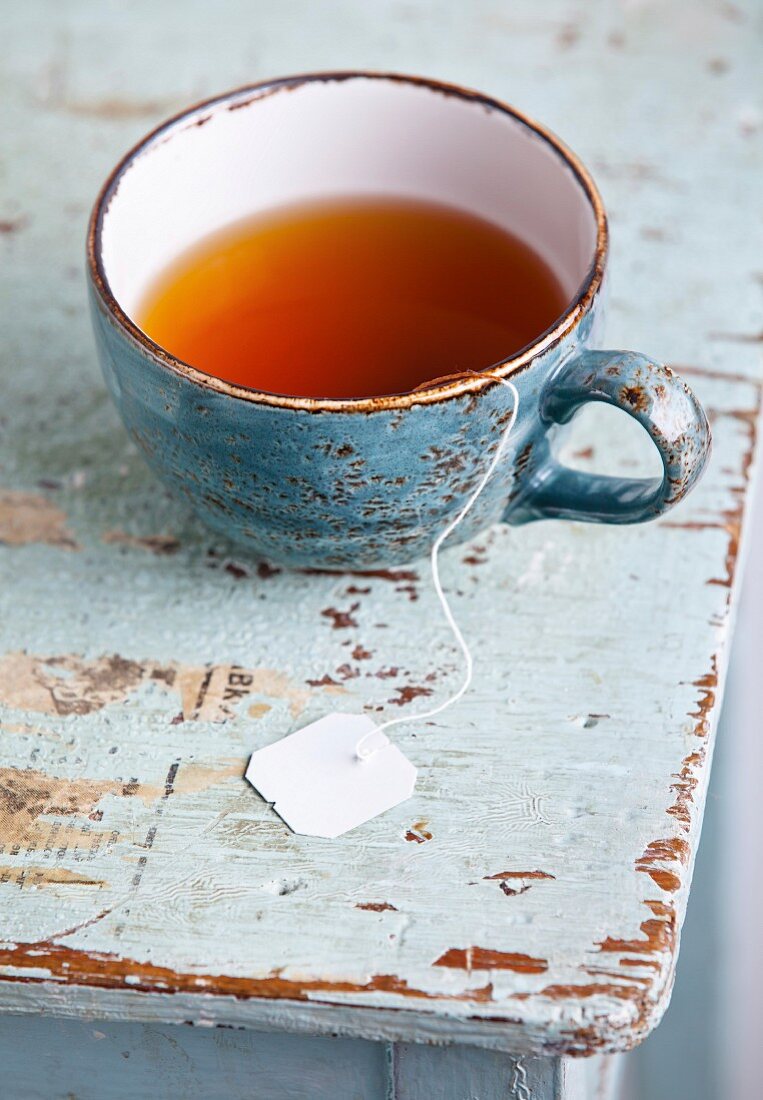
358,484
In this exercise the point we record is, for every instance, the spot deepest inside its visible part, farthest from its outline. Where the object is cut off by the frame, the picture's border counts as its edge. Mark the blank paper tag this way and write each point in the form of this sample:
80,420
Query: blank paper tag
320,787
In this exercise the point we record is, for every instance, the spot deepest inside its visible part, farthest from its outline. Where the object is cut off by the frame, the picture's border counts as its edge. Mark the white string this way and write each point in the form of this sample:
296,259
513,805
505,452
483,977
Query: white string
367,752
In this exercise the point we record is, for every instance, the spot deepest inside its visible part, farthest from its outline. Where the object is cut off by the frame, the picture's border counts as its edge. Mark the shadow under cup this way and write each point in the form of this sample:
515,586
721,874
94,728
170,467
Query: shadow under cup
348,483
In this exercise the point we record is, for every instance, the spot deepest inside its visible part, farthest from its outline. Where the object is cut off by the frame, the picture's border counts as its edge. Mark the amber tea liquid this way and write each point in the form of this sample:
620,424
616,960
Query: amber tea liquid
352,298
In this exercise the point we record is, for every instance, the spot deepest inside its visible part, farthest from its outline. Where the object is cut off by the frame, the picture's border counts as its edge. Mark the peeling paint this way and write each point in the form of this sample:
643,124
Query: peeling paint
519,874
660,852
730,519
194,777
213,694
408,693
485,958
663,859
28,795
524,881
111,108
28,518
29,798
156,544
33,878
738,337
659,938
607,978
66,685
34,962
13,225
659,934
708,684
418,833
341,620
70,684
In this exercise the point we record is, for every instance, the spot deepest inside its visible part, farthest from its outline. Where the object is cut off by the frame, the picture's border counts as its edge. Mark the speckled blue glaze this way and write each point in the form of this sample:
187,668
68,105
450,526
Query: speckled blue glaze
364,489
371,483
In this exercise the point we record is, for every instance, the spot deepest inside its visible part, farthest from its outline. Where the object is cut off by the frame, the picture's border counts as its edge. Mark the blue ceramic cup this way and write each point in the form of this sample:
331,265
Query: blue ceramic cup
356,484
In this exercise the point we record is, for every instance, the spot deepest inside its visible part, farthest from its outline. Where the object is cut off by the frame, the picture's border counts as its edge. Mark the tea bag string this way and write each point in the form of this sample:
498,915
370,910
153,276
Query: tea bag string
370,743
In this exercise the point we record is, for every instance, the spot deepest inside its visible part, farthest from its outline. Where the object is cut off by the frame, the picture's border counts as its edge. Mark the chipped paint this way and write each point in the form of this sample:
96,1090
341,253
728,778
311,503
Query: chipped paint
156,544
507,780
503,875
408,693
519,817
672,850
514,883
28,795
418,833
193,777
28,798
708,685
35,878
28,518
658,934
341,620
13,225
213,694
730,519
485,958
33,962
71,684
66,685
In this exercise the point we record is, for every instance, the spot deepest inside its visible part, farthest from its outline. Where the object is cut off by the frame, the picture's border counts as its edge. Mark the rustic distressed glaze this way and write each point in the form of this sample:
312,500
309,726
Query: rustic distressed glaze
342,484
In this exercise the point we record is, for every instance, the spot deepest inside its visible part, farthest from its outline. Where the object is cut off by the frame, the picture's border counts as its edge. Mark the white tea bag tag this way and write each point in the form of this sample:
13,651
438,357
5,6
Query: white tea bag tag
319,784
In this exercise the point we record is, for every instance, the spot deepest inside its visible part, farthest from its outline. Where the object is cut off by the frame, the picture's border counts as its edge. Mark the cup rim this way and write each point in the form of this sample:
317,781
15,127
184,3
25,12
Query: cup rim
429,394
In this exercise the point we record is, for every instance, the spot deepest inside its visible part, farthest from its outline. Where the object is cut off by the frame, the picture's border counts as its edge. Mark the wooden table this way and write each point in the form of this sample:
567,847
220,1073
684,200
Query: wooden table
525,906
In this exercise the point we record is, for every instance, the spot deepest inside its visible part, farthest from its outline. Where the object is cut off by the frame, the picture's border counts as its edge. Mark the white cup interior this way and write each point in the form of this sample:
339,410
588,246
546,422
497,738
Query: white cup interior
325,138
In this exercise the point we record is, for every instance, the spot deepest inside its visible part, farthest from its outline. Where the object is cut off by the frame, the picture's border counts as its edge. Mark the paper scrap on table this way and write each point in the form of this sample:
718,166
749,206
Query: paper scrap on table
320,787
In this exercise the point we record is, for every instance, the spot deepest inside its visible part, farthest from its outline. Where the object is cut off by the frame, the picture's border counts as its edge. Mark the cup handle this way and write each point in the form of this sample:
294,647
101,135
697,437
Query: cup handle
651,394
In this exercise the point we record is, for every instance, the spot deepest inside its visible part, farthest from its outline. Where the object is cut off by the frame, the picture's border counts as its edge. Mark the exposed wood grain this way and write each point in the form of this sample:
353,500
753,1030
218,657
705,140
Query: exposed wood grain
28,518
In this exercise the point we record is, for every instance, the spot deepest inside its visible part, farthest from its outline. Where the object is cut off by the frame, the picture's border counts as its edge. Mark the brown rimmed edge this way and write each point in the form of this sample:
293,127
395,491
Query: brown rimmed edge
245,96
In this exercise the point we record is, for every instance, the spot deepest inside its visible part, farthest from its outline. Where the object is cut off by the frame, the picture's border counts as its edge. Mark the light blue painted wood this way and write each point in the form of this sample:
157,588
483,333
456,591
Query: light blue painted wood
683,1059
52,1059
463,1073
694,1053
48,1059
142,863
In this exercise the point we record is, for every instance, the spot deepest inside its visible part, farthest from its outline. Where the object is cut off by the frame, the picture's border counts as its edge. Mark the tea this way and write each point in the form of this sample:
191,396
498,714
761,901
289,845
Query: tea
352,298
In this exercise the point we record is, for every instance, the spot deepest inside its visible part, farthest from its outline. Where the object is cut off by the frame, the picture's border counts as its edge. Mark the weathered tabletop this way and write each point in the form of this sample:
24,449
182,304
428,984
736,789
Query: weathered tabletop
530,895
